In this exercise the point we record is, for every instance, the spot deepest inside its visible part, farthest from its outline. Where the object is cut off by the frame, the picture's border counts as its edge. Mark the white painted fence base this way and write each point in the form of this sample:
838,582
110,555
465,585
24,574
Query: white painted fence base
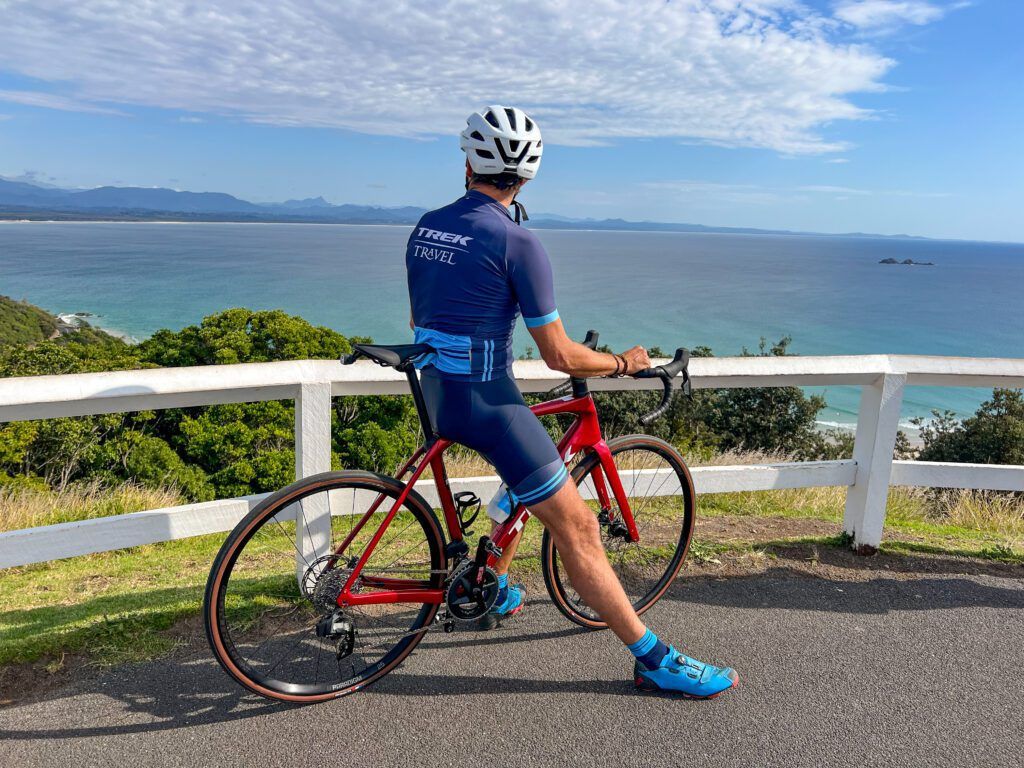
312,384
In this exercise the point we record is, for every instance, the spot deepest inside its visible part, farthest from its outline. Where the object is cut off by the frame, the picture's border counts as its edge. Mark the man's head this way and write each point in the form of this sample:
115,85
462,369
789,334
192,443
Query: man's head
503,148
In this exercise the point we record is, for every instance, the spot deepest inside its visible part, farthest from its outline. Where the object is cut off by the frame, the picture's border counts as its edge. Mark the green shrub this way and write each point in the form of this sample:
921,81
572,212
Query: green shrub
993,435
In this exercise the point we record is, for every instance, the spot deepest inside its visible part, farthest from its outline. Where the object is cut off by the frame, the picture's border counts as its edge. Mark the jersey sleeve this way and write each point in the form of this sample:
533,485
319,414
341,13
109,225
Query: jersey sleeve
532,280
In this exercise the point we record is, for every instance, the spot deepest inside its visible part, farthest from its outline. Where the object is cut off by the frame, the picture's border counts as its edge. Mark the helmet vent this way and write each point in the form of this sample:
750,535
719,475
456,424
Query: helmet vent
513,145
490,118
511,118
533,158
485,153
477,135
529,124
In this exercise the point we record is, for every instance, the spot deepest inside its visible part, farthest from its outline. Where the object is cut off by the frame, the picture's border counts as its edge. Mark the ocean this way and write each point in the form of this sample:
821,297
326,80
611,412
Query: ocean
669,289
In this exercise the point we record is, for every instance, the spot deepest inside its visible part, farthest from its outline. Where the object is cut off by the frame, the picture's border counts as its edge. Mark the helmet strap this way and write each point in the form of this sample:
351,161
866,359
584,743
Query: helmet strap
520,209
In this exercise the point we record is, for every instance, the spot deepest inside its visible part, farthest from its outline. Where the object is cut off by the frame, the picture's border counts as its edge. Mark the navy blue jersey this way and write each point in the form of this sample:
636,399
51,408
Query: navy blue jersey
472,270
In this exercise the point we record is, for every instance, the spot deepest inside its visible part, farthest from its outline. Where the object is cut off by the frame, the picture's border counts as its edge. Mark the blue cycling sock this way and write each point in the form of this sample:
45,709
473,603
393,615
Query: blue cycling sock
649,650
502,589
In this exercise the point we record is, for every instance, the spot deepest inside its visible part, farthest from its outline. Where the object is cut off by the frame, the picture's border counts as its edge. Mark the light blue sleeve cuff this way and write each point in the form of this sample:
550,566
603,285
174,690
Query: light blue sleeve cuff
534,322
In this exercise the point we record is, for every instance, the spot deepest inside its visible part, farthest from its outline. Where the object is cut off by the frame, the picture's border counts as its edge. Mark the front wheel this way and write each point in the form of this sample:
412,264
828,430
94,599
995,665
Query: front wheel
660,495
271,611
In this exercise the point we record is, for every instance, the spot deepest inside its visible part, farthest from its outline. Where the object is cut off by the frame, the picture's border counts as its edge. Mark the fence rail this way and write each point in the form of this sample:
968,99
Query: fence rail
313,383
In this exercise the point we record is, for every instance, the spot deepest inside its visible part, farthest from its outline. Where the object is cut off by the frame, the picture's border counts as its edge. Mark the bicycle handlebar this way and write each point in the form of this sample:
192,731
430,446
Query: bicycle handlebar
666,373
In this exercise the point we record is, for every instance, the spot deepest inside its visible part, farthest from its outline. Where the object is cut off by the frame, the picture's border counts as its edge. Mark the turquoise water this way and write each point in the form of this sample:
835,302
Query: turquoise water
670,289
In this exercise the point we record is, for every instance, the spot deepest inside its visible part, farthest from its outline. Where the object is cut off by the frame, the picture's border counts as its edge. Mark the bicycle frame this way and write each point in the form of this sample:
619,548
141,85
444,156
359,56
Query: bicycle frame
583,435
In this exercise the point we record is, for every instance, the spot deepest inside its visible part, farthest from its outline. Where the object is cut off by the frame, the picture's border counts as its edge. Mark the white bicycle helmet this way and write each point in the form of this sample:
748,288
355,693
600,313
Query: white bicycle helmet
502,140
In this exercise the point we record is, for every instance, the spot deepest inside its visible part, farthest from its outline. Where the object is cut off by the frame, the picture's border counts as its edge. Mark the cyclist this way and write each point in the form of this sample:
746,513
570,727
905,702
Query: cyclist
471,271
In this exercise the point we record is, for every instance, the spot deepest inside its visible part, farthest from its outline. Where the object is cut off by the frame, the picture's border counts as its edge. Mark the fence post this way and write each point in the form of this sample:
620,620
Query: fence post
877,424
312,456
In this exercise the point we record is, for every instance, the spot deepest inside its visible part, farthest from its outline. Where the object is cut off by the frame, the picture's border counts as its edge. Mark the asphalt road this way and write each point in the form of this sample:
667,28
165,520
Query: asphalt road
887,670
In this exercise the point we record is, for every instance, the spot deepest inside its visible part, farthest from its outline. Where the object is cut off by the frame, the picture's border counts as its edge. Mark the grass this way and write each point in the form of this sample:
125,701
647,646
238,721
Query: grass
113,605
116,607
32,507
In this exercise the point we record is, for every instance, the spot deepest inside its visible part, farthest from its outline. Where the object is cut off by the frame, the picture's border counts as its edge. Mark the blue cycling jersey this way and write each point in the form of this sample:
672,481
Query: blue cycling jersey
472,270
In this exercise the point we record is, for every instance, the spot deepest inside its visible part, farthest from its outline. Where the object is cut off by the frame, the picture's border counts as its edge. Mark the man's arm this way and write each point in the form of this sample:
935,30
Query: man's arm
561,353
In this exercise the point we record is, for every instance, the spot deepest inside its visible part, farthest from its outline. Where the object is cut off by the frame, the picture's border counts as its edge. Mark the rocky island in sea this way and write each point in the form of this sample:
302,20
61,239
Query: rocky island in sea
908,262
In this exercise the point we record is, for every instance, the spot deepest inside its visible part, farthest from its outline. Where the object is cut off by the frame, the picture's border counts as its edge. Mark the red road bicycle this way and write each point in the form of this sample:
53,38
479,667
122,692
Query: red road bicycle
330,583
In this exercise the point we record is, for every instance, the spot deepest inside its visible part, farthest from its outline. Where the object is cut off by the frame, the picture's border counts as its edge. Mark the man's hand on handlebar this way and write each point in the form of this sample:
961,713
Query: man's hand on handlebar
636,360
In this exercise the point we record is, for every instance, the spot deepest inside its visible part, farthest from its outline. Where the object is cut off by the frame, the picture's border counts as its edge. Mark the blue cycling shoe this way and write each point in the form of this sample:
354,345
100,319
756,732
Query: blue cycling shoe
689,677
513,603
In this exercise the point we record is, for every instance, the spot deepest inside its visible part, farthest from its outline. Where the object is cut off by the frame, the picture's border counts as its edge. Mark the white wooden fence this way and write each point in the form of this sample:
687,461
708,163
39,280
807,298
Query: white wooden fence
312,384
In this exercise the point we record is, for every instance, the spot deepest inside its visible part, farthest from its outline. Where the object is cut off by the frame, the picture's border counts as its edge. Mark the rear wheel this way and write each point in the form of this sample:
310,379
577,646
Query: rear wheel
661,497
270,608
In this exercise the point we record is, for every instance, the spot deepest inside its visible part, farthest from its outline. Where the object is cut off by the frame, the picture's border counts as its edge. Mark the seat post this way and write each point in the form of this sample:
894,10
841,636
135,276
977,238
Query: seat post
417,397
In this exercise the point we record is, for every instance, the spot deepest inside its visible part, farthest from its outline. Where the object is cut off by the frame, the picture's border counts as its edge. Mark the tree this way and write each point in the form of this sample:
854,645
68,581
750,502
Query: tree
244,336
375,433
993,435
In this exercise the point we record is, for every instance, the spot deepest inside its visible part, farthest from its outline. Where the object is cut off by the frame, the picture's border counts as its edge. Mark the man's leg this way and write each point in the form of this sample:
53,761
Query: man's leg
658,667
505,561
577,536
511,597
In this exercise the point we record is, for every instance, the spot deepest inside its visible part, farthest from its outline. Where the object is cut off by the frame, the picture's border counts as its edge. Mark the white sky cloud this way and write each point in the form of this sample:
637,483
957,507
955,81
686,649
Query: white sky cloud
758,193
885,14
53,101
757,73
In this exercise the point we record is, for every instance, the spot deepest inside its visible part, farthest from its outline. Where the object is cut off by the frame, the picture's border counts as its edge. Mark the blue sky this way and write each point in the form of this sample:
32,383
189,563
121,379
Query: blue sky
891,116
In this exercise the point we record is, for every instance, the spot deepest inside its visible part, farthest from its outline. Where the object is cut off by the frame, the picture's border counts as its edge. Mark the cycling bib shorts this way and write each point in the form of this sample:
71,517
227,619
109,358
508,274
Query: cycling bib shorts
492,418
472,271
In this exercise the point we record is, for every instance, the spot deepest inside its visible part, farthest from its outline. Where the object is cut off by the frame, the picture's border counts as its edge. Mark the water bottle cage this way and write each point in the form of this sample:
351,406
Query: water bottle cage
464,501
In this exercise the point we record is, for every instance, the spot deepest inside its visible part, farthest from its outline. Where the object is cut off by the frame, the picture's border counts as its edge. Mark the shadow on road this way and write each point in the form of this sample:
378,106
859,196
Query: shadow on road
789,588
174,694
177,695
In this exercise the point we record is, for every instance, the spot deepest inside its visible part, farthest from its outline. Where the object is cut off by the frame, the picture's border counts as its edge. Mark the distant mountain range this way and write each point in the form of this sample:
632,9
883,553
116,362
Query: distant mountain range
23,200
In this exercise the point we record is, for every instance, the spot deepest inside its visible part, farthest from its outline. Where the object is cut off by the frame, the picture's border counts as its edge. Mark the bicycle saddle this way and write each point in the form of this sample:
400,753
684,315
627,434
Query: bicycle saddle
392,355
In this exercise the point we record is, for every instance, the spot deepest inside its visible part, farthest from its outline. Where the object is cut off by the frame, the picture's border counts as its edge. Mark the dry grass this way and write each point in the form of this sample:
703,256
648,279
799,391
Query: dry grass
30,507
736,458
985,511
